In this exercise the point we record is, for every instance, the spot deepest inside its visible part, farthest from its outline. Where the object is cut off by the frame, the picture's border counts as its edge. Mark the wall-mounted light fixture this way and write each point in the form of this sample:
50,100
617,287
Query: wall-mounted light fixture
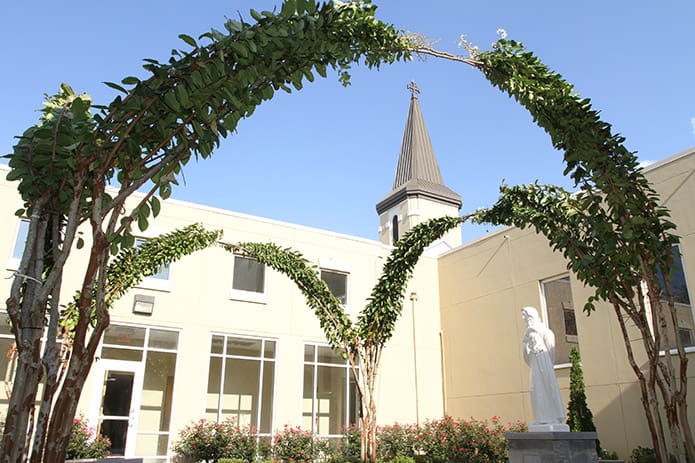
143,304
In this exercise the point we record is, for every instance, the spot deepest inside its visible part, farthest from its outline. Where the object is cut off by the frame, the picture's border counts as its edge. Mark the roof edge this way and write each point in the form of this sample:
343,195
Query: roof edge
404,192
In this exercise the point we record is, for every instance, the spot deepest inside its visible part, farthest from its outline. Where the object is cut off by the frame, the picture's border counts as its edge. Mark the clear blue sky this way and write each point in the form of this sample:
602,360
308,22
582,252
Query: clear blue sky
323,157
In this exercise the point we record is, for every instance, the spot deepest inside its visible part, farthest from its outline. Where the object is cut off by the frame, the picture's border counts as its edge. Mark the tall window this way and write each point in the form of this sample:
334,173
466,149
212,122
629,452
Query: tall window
241,381
329,400
560,316
156,350
337,284
681,297
394,229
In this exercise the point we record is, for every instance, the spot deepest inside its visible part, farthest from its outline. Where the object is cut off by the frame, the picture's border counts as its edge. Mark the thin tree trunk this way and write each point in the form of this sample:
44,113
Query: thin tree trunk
20,411
650,408
66,403
51,366
27,326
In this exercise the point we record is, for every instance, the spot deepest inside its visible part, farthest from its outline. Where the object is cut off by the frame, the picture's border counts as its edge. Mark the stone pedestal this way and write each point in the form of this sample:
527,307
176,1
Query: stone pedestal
552,447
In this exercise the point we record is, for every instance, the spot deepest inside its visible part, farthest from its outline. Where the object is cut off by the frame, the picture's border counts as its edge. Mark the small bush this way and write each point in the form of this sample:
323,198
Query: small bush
202,440
345,449
231,460
242,443
293,445
607,455
402,459
396,441
473,441
210,441
642,455
264,450
85,443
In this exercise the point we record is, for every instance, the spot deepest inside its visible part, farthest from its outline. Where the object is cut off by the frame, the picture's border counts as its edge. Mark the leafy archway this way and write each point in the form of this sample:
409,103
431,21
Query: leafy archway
614,232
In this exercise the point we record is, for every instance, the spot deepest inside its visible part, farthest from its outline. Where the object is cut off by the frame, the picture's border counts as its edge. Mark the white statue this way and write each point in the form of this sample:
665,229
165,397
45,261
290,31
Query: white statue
539,354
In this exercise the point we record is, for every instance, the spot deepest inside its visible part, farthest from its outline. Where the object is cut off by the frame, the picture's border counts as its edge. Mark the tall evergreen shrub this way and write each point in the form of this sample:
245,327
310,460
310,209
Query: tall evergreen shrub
579,416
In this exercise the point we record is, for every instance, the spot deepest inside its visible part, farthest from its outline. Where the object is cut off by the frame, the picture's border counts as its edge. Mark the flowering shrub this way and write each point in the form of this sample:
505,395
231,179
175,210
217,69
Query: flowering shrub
85,443
397,440
345,449
210,441
458,441
293,445
439,441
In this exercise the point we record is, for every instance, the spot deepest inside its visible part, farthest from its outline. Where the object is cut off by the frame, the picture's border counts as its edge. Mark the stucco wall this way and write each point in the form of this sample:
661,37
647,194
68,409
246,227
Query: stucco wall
484,284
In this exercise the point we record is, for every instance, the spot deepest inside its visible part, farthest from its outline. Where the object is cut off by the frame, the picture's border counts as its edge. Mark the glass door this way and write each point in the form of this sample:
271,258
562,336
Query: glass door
116,401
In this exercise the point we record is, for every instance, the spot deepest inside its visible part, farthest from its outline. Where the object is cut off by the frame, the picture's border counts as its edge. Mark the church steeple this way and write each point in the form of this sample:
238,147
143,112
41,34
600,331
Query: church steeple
418,191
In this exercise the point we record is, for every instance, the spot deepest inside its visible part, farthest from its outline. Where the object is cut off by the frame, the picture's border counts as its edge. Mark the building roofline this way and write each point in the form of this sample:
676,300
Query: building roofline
669,160
241,215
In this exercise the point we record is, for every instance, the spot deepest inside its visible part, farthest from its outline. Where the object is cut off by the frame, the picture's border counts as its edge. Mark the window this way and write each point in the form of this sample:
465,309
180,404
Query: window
394,229
19,243
681,297
337,284
241,379
155,349
248,279
163,273
330,399
560,316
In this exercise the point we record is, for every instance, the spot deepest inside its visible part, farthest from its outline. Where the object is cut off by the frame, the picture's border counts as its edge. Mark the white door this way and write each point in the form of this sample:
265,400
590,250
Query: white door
116,402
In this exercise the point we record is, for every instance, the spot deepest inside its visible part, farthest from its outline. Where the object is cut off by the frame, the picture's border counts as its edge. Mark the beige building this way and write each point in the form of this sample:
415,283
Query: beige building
217,336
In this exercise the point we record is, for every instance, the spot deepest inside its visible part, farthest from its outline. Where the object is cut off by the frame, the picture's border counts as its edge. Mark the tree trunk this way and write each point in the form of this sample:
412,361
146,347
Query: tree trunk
20,412
51,364
65,407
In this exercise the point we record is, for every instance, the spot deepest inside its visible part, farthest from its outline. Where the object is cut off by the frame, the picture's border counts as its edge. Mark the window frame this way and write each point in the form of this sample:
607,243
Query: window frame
264,362
244,295
315,364
153,282
688,293
145,350
14,261
546,317
347,283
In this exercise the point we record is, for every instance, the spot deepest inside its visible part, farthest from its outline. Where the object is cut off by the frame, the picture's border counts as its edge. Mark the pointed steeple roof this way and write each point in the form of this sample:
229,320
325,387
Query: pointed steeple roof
417,173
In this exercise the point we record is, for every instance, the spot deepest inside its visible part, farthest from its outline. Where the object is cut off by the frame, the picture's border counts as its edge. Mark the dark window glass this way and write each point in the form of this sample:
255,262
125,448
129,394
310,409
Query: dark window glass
337,284
249,275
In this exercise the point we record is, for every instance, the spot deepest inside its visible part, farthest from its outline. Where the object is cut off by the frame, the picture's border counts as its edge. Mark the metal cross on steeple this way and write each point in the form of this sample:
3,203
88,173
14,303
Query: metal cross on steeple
414,89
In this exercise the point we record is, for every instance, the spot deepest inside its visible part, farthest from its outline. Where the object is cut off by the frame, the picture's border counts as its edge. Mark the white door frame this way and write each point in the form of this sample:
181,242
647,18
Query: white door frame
100,368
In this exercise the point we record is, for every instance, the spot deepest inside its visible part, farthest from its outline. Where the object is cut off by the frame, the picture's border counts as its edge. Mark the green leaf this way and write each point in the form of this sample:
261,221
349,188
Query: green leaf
189,40
255,15
142,222
130,80
170,100
156,206
116,87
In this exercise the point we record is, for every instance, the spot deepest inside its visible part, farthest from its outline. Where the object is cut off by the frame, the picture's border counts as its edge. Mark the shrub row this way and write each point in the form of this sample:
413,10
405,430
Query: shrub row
447,440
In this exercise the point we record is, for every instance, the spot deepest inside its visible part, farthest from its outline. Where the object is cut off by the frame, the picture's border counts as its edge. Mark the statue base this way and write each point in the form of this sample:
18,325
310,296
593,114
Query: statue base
552,447
554,427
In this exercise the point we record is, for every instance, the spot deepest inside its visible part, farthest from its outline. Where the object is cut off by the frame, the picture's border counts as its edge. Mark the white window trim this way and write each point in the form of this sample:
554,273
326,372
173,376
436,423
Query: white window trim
156,284
248,296
347,285
334,264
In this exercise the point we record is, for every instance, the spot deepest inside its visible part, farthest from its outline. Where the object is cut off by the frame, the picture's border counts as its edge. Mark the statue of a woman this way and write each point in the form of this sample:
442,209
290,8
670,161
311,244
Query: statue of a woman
539,354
